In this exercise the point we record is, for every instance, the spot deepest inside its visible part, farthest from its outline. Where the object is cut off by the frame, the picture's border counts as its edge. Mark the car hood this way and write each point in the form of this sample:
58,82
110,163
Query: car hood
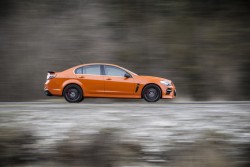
153,78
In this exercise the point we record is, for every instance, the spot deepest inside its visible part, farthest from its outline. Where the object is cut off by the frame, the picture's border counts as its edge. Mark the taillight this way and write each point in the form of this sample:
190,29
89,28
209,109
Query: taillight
50,75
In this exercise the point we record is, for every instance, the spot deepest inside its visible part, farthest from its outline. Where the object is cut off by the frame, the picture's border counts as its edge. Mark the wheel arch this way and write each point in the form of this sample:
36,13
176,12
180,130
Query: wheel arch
72,82
151,84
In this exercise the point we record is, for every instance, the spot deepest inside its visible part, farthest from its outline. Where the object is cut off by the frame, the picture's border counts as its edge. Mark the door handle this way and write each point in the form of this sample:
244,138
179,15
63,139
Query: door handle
108,79
81,77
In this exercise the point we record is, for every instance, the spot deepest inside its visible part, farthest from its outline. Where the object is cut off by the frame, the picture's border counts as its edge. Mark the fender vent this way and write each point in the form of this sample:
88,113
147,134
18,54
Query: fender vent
137,87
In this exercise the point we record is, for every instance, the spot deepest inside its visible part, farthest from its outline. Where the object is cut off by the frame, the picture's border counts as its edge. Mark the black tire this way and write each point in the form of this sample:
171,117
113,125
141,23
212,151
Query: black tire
151,93
73,93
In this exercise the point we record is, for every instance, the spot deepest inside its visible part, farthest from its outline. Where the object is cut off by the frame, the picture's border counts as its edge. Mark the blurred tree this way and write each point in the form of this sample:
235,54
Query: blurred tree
202,46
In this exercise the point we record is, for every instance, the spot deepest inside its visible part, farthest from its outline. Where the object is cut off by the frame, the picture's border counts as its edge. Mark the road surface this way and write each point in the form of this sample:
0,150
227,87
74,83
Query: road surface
152,124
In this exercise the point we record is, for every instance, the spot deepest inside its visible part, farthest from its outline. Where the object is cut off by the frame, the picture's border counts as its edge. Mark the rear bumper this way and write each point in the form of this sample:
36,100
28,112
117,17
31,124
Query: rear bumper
51,88
47,93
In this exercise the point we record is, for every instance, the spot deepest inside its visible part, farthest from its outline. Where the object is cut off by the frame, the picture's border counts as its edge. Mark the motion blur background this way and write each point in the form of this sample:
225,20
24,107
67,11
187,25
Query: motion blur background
203,46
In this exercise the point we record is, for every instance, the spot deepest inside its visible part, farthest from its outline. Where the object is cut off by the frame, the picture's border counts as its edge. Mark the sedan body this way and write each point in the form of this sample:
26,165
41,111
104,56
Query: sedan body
106,80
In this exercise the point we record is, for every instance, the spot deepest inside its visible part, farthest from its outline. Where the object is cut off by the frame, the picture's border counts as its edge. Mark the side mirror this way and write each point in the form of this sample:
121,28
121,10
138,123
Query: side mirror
126,75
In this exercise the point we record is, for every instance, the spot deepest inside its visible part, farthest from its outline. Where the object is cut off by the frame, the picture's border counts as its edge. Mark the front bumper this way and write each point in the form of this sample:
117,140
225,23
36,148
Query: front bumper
169,92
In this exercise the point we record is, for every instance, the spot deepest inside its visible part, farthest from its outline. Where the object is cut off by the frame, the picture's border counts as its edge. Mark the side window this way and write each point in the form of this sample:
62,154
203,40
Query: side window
93,69
114,71
78,70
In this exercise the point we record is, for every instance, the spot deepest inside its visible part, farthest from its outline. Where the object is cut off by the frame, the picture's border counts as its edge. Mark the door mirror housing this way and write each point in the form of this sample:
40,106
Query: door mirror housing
126,75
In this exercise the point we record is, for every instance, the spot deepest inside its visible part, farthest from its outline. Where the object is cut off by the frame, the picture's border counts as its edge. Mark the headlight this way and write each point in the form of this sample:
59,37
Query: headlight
167,83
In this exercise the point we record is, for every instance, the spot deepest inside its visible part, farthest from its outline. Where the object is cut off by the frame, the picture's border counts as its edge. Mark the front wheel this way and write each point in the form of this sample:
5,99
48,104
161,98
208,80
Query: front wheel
151,93
73,93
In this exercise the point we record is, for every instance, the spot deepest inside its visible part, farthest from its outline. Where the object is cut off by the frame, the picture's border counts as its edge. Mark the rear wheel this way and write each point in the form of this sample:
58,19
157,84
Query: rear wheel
73,93
151,93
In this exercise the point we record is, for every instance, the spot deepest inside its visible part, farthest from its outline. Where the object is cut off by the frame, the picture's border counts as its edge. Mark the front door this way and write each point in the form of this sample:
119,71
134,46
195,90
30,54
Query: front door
116,84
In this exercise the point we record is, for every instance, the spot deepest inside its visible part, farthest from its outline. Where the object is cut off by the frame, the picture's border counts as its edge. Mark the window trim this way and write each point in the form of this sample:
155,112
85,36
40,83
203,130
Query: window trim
102,69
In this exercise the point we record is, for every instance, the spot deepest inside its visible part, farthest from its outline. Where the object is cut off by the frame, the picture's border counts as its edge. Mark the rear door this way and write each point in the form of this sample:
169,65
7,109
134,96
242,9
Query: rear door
92,79
116,85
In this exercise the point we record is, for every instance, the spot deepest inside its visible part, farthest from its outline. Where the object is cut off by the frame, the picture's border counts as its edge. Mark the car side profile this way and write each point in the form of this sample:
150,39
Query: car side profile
106,81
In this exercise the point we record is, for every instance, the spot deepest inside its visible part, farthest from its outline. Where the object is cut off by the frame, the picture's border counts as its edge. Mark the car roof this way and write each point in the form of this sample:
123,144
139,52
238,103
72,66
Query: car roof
104,64
97,64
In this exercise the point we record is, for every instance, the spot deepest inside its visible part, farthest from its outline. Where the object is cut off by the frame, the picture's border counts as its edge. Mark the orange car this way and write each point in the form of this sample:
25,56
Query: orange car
106,80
